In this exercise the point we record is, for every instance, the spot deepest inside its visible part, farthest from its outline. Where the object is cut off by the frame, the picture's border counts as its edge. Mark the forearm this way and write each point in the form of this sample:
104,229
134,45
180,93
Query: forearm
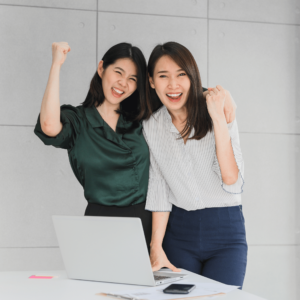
225,155
50,108
158,257
159,225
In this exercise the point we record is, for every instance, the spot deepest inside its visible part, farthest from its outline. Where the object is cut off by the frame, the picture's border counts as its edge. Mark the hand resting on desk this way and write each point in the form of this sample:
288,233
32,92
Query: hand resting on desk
159,259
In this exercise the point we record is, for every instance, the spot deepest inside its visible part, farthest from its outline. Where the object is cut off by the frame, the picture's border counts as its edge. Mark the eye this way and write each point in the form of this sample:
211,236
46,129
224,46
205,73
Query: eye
118,72
133,79
182,74
162,76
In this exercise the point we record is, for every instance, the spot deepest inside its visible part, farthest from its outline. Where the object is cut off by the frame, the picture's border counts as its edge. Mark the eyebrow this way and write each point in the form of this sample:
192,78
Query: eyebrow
168,71
124,71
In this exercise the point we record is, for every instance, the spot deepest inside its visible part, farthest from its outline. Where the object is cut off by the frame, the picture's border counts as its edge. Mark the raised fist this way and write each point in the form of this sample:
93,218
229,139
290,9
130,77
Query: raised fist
59,52
215,100
229,105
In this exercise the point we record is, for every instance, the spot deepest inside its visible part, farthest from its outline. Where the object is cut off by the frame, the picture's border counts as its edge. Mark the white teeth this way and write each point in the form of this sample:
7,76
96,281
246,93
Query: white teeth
118,91
174,95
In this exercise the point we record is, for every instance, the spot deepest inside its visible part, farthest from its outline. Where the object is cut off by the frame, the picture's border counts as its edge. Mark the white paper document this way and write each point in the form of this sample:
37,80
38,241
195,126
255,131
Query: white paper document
156,293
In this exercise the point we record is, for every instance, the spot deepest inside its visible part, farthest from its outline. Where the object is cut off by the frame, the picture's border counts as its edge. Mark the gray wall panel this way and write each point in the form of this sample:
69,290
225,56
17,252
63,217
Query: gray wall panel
27,34
274,11
271,272
298,266
259,64
270,190
146,32
185,8
75,4
37,182
30,259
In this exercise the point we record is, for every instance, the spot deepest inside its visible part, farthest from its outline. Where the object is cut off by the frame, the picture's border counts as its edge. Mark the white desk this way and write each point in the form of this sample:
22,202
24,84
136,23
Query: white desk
17,286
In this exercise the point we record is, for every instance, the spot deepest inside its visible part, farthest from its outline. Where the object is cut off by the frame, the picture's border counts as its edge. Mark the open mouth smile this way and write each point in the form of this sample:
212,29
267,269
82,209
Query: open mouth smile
174,97
116,92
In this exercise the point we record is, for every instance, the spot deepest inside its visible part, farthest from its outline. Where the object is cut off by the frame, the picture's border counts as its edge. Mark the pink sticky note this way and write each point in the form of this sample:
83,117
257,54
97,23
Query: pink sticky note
40,277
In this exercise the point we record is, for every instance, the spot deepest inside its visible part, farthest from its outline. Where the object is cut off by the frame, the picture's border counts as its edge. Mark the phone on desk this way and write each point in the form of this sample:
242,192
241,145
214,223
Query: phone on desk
179,288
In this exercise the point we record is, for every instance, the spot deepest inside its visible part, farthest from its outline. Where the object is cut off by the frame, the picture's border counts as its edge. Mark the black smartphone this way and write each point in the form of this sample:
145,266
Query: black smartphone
179,288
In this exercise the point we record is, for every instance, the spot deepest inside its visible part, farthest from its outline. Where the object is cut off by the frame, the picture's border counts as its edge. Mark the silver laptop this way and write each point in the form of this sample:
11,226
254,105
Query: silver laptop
109,249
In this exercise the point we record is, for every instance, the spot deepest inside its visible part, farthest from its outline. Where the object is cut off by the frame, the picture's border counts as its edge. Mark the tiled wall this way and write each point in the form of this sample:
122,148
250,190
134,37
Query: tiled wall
252,48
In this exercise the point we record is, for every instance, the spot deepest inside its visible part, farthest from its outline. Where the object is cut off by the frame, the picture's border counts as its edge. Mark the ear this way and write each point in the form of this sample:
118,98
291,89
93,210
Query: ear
100,68
151,82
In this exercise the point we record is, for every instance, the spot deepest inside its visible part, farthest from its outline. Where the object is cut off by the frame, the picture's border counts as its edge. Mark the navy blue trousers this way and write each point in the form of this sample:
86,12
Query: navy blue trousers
210,242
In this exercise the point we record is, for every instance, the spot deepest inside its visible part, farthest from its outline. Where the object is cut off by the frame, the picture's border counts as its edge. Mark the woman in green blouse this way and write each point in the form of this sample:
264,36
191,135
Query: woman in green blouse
103,136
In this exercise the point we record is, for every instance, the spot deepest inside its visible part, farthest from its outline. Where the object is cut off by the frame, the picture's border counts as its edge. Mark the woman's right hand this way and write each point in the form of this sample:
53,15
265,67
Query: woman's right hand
159,259
59,52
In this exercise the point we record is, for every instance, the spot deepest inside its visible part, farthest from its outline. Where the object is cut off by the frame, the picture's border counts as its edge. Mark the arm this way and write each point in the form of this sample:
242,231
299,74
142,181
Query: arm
228,166
215,105
50,109
157,202
158,257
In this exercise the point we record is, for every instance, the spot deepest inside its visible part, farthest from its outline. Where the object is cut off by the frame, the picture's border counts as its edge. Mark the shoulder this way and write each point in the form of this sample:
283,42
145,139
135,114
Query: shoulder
72,110
156,121
73,115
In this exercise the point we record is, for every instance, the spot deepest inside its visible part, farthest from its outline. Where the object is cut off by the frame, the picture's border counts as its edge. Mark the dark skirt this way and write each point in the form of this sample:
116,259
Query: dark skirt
133,211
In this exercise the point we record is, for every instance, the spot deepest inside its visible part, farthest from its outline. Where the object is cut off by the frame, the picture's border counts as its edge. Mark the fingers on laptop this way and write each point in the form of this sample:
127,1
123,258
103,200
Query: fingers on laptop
157,266
173,268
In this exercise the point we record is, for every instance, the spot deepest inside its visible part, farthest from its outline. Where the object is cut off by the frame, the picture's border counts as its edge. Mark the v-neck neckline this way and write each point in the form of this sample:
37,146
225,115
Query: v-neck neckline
109,133
107,125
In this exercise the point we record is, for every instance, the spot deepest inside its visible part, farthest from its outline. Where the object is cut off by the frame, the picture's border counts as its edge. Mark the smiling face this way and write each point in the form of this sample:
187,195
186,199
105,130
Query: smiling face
171,83
119,80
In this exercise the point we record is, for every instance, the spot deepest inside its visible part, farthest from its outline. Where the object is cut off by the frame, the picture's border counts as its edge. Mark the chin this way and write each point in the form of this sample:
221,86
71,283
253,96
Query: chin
115,101
175,106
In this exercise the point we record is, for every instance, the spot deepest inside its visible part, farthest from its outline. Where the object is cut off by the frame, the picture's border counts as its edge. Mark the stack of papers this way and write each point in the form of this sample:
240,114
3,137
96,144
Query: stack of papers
156,293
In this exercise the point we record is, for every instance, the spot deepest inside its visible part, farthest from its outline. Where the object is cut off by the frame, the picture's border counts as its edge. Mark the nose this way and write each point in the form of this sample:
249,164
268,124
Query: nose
173,84
122,82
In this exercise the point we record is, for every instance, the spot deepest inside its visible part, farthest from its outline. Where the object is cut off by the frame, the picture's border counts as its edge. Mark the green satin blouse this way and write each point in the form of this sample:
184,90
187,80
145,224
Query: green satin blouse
112,167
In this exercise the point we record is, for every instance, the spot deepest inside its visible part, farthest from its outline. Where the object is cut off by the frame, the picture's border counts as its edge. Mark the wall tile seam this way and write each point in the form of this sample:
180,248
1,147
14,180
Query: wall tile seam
13,125
273,245
144,14
97,18
48,247
207,17
207,33
160,15
256,22
132,13
48,7
103,11
273,133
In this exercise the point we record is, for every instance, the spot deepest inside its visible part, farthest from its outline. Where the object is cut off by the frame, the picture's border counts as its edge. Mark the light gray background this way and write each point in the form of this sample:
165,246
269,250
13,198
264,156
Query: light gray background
252,48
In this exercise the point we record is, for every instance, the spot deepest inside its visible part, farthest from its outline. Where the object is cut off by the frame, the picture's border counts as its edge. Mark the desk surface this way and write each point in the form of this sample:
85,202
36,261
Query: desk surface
17,286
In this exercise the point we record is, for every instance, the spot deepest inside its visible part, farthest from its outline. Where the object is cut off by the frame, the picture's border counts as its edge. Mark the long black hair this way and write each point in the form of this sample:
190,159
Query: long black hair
197,113
134,107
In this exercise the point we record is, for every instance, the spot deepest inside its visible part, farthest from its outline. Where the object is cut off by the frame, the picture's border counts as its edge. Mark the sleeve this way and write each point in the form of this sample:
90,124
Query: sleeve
158,189
71,120
237,187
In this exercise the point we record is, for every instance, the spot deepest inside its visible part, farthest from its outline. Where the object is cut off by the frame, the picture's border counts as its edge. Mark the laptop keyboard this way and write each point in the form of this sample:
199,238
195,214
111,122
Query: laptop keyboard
156,277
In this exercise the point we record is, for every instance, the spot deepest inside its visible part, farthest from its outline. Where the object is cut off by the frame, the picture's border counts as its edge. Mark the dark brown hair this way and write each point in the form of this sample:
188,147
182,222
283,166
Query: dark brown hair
134,107
197,113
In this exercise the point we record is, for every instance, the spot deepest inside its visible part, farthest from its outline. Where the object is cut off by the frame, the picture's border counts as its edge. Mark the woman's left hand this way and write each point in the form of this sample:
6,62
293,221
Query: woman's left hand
229,106
215,100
